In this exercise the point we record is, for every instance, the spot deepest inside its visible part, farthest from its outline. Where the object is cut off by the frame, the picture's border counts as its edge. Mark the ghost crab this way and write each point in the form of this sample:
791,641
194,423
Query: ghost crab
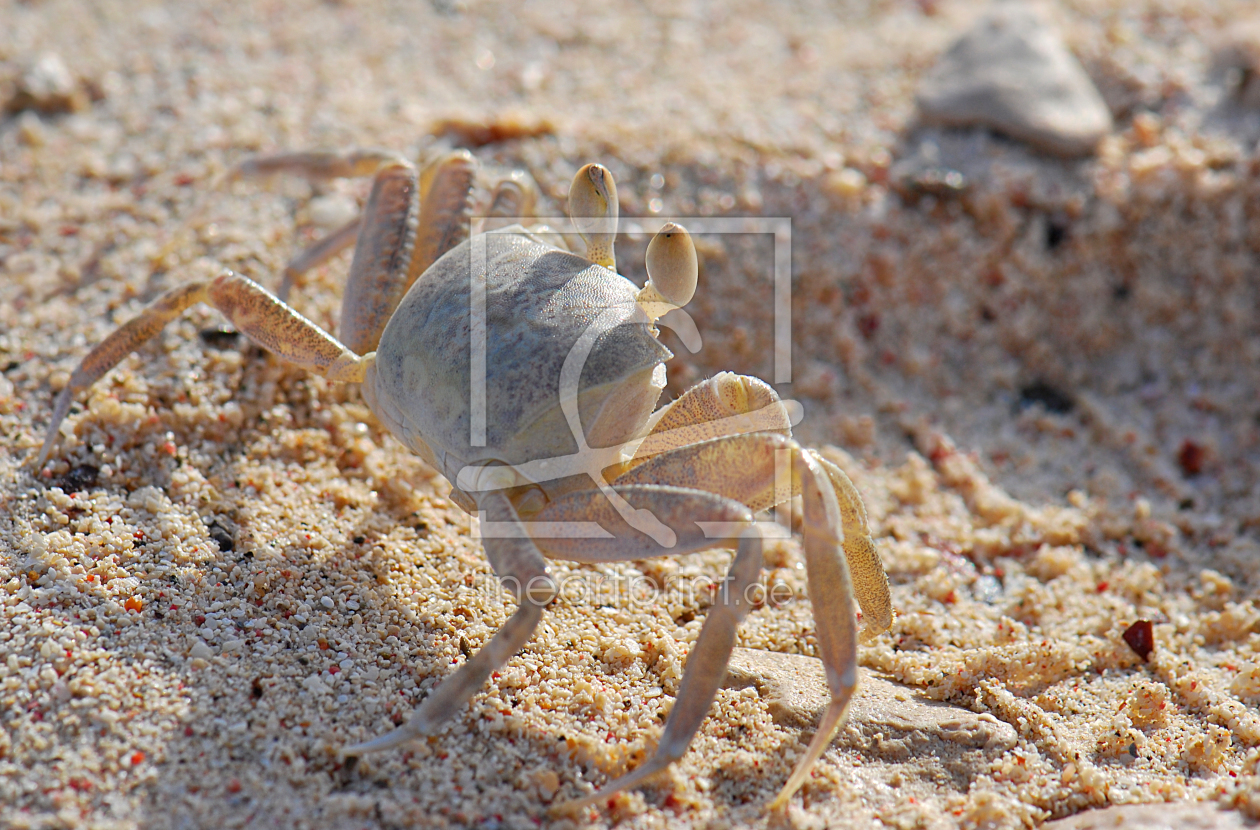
529,377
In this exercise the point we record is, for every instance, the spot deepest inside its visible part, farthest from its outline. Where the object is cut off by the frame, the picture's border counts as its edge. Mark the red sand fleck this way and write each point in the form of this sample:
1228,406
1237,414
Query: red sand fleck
1192,456
1141,638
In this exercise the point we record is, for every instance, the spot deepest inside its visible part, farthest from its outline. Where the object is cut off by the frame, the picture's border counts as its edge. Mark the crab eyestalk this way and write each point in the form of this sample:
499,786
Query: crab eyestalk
672,271
593,208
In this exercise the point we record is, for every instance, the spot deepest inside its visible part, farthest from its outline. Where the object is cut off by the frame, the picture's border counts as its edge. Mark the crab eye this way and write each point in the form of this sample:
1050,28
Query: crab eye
671,264
593,200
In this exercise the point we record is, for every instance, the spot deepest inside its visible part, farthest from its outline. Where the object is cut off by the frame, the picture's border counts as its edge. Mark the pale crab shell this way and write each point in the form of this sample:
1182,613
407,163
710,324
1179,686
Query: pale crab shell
539,300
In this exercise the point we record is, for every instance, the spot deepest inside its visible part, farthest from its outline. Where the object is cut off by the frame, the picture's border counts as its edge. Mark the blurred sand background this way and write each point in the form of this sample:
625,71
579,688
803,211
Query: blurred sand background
1043,376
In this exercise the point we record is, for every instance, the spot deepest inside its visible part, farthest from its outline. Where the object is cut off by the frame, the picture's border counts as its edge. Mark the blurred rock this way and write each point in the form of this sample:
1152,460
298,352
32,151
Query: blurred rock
1185,815
47,87
1237,58
1013,74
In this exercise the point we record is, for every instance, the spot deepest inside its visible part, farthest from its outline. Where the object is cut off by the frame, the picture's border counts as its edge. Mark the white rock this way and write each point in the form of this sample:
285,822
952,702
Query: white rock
47,86
897,718
1186,815
1237,57
1012,73
200,649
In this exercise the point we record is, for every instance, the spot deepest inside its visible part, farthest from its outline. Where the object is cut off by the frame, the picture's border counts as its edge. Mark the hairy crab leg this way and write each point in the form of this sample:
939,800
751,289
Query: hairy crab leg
250,307
831,595
445,208
408,222
523,570
383,255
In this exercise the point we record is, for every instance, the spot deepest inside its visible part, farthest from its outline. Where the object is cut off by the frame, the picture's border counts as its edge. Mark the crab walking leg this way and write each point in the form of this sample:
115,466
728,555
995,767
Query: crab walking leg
316,255
831,595
762,470
522,569
315,164
870,582
409,221
706,668
383,253
445,208
512,201
250,307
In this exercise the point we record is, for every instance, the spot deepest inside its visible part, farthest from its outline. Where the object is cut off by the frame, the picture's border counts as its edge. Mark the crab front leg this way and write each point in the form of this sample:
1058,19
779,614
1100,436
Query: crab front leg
523,570
750,469
763,469
700,521
250,307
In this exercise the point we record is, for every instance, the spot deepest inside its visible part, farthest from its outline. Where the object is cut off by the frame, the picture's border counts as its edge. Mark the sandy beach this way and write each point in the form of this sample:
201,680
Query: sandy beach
1041,372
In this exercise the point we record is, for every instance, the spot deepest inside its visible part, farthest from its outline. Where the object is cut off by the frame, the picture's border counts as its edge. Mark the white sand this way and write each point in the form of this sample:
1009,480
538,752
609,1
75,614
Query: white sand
1017,558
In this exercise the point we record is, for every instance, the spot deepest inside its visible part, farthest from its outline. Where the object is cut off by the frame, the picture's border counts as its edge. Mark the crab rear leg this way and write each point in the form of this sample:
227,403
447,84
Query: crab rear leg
409,221
523,570
315,255
250,307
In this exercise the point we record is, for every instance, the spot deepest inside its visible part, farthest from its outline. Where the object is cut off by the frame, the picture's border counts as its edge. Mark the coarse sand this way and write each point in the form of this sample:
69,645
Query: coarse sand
1042,375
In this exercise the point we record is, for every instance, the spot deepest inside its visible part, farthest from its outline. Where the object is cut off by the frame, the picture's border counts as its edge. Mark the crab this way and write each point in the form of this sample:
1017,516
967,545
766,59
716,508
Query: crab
529,376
